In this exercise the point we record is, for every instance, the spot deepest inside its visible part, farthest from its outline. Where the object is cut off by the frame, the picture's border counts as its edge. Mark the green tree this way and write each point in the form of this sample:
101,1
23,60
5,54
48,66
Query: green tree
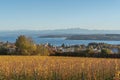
89,52
25,45
42,50
3,50
106,51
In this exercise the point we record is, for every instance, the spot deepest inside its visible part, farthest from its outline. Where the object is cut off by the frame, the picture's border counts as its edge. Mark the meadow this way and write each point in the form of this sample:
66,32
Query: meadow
58,68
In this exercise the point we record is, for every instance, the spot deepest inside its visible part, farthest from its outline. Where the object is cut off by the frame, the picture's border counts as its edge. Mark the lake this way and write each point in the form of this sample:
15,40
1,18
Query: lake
57,41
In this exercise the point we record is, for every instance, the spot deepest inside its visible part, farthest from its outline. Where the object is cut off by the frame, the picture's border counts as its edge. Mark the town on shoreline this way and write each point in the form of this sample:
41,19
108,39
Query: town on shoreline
26,46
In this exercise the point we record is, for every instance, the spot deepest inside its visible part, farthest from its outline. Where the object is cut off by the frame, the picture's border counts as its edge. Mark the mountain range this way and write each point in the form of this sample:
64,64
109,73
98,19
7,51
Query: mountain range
57,32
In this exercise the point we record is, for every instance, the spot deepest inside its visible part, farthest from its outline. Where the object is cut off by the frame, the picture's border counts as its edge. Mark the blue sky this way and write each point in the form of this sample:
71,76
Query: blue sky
59,14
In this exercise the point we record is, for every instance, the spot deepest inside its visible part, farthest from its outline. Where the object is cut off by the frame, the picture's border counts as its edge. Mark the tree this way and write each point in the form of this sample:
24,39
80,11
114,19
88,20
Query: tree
3,51
25,45
42,50
106,51
89,52
63,45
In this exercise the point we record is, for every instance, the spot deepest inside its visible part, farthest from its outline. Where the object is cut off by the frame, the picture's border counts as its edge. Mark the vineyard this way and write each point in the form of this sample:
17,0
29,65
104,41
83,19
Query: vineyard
58,68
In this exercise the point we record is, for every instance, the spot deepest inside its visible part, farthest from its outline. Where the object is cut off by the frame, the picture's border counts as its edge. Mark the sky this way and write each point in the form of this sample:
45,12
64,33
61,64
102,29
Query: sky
59,14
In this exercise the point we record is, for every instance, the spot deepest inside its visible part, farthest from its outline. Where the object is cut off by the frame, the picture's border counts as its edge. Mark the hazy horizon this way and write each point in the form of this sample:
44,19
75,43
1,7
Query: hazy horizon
62,14
61,29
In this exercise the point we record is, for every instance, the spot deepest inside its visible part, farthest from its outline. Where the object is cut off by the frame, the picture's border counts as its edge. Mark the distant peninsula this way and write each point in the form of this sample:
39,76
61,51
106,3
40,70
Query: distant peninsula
109,37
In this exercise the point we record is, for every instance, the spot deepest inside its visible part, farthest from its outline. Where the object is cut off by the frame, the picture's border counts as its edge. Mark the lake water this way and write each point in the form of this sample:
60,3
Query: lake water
57,41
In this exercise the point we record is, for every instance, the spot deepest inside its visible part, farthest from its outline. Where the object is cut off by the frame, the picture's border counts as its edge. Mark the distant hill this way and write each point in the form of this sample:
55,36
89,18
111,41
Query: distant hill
108,37
57,32
80,31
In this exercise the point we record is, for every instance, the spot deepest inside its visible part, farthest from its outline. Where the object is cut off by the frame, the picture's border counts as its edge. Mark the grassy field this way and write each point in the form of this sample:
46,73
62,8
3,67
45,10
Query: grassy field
58,68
